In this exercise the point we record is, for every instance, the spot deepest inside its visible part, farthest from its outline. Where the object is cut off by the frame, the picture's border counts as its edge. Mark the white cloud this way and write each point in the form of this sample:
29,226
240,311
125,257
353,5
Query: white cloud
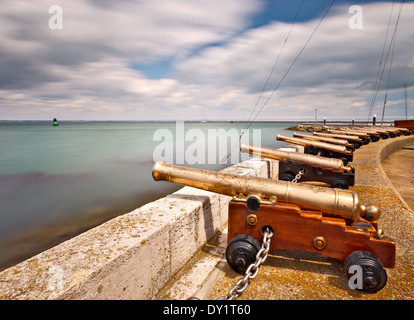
336,70
83,71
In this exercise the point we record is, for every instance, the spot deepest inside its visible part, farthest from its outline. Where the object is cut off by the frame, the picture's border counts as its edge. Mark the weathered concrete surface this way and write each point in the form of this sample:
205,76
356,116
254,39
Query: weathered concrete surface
289,274
399,168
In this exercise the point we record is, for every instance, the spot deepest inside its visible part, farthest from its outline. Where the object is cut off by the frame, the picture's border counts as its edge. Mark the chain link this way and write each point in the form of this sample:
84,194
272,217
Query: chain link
298,176
252,270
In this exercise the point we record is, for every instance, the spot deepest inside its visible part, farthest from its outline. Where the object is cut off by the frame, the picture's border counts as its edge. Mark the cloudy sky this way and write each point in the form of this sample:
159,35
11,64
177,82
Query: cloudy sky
204,59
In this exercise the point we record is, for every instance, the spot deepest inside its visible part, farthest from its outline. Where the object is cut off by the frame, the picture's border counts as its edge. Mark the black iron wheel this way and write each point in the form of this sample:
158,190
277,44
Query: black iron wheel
340,183
373,276
287,176
241,252
365,141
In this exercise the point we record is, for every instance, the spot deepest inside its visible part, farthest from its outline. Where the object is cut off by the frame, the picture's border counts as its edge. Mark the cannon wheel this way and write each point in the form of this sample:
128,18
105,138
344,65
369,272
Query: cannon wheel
374,276
241,252
340,183
287,176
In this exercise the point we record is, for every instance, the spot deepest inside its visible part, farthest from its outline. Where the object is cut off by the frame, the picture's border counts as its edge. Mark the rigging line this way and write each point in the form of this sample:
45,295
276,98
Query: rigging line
274,65
392,57
386,92
284,76
388,52
383,46
377,82
294,61
268,78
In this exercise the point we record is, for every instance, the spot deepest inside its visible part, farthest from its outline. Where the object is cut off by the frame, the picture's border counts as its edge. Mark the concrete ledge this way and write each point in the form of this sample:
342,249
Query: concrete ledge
395,144
132,256
387,150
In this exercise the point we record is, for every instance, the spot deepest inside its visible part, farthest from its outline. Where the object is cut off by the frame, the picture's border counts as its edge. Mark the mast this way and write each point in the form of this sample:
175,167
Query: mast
405,96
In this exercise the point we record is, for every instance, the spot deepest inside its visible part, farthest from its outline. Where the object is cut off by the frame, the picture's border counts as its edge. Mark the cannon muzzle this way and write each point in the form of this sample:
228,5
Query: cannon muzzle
280,155
329,201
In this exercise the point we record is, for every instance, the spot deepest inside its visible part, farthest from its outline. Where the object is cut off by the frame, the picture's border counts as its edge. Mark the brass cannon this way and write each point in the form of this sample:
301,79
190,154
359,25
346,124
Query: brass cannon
328,221
356,141
342,142
364,137
374,135
309,167
377,133
391,132
322,149
404,131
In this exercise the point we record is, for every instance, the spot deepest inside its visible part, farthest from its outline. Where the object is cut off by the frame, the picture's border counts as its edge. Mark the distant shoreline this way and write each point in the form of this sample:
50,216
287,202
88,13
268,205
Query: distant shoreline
337,122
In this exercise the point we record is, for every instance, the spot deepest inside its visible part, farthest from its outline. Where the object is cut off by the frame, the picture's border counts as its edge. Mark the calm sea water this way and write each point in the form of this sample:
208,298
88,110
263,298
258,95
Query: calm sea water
56,182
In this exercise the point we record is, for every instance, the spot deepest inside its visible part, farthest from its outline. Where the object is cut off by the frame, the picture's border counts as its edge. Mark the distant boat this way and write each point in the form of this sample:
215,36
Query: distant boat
55,122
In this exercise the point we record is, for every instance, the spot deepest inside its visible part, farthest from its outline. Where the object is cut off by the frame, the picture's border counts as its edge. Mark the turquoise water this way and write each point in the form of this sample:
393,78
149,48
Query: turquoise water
56,182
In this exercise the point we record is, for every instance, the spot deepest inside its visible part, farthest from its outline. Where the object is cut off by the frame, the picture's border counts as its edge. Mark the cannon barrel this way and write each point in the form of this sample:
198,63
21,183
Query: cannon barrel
338,136
280,155
329,201
374,130
405,131
341,142
317,144
374,135
370,131
393,130
350,132
379,130
365,137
